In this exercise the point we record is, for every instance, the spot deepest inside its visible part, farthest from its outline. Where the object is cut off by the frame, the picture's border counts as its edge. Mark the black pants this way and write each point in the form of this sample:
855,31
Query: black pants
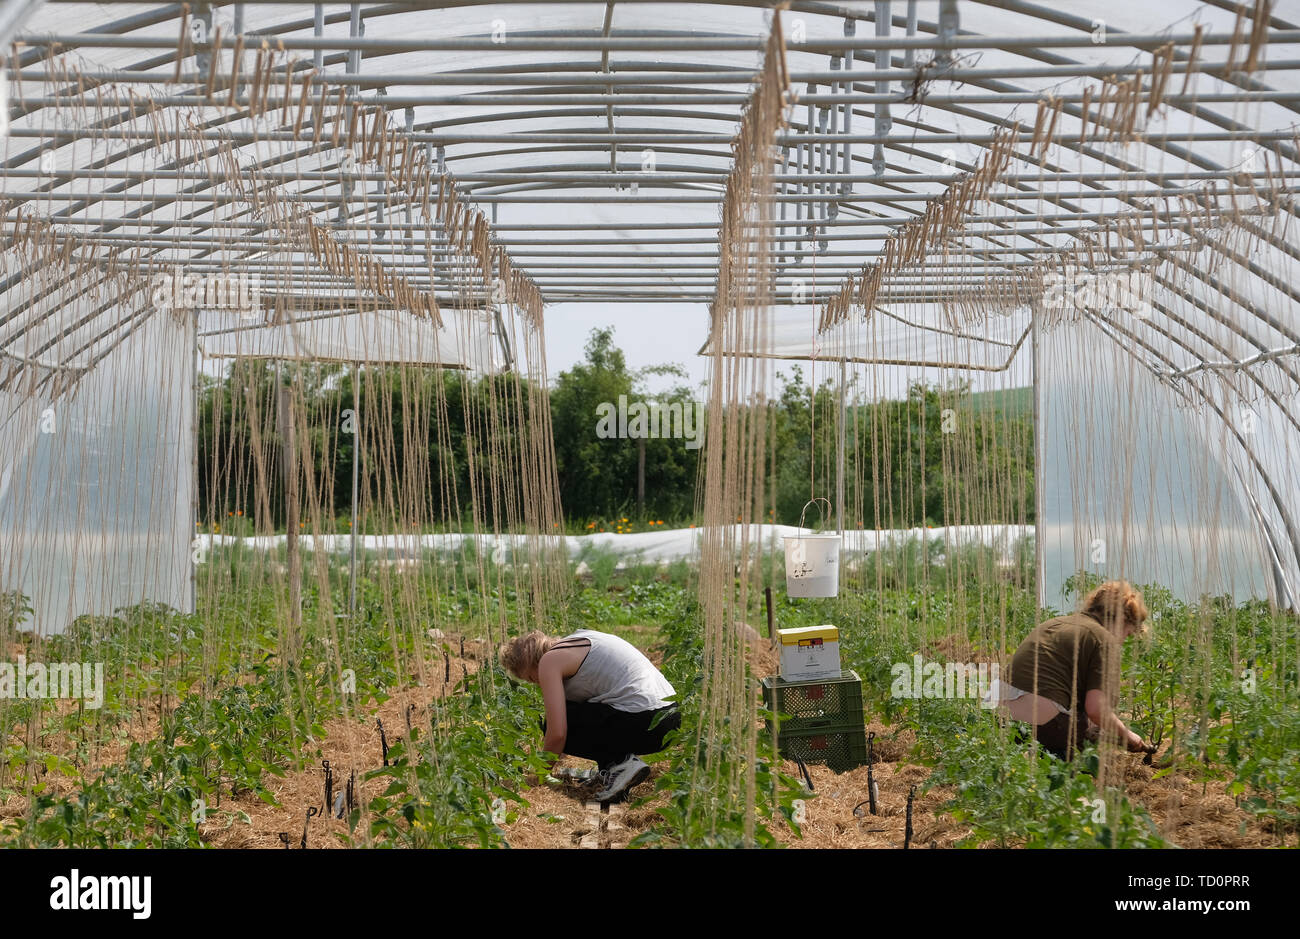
605,734
1056,738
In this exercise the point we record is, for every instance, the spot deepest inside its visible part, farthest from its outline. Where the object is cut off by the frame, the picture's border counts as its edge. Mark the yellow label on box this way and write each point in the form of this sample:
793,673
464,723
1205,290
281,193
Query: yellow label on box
808,635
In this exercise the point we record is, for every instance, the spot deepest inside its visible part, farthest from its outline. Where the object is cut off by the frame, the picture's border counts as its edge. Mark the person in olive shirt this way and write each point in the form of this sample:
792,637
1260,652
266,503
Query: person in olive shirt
1064,677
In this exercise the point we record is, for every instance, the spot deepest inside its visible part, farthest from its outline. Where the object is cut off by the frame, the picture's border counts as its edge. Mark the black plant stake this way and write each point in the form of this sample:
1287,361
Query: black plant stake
329,785
807,777
462,647
907,832
352,791
409,709
446,672
311,811
872,793
767,601
284,838
383,741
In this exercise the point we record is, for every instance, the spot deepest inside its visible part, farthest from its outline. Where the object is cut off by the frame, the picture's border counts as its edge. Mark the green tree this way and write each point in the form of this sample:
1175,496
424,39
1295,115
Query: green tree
598,475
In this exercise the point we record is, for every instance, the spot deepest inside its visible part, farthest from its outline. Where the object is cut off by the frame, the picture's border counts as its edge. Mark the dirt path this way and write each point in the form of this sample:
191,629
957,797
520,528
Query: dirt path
1186,812
352,745
560,816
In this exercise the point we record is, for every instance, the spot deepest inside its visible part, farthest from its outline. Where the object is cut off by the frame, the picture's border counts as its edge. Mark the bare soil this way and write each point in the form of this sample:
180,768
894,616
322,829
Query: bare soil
1188,813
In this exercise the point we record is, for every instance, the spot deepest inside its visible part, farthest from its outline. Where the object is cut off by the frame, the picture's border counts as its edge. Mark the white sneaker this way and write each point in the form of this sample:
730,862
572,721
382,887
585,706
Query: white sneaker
621,777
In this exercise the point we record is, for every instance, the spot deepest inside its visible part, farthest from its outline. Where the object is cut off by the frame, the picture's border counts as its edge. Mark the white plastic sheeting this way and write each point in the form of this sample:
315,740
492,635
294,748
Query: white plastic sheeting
651,547
1137,487
95,497
373,337
896,349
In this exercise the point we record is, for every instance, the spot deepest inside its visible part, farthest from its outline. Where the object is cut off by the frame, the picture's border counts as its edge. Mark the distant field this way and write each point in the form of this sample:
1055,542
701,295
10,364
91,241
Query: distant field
1012,401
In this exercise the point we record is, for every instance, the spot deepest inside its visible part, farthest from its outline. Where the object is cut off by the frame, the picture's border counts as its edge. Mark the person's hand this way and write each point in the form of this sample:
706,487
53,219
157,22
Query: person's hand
1137,745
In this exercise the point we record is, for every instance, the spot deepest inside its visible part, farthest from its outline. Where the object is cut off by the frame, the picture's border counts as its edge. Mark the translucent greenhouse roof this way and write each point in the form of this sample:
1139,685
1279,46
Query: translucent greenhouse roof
586,147
595,137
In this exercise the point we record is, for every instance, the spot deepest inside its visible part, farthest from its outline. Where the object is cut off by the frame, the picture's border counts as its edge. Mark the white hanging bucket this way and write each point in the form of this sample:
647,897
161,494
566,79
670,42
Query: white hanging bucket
812,562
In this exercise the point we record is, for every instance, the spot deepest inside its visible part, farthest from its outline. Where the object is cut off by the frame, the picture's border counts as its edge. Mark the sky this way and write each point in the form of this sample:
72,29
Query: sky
648,334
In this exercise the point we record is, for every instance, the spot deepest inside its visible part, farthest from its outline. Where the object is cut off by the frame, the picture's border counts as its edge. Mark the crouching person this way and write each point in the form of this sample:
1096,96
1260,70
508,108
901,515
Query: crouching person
1064,677
605,701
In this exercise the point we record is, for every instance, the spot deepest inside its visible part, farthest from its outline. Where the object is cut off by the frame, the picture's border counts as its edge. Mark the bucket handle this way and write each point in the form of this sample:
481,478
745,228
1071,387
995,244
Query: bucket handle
821,515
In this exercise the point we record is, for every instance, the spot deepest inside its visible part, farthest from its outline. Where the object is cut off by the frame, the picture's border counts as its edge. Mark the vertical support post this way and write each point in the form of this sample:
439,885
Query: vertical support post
810,150
410,129
949,24
846,148
503,336
839,449
354,30
194,463
202,26
1039,546
640,476
884,123
289,466
909,56
782,259
356,464
318,31
239,31
382,188
831,156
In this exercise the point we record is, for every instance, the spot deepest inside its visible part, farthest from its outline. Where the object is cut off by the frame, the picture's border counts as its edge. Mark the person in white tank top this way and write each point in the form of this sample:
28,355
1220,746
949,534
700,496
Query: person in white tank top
605,701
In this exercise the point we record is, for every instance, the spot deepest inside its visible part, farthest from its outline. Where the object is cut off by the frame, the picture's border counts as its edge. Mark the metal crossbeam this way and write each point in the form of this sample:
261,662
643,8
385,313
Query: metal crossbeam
871,88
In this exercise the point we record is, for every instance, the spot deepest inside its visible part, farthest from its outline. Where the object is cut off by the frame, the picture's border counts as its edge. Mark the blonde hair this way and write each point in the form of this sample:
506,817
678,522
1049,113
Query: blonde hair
524,652
1116,601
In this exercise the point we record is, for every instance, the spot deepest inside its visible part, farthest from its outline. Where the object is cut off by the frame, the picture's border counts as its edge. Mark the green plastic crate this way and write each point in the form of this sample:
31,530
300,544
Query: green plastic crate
821,721
841,747
833,699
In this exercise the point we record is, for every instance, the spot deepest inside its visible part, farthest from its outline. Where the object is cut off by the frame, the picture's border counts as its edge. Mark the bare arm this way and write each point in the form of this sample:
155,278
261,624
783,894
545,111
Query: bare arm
1100,713
550,676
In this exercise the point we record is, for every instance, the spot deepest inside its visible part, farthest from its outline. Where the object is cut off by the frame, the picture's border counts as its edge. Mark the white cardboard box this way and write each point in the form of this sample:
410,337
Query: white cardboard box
809,653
